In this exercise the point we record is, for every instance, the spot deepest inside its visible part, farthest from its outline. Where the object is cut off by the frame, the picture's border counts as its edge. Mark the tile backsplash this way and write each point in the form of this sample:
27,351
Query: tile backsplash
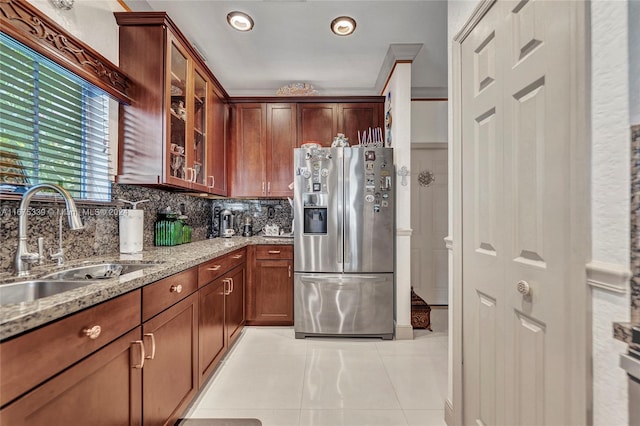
100,235
263,211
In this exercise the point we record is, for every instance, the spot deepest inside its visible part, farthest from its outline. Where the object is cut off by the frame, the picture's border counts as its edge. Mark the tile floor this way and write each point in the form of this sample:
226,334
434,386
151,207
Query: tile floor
271,376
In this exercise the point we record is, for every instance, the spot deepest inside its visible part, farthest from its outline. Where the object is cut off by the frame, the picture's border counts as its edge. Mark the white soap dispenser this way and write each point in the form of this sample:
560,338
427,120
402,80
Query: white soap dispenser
131,227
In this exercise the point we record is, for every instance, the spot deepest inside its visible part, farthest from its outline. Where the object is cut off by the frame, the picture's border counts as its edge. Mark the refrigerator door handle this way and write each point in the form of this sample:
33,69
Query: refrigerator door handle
340,236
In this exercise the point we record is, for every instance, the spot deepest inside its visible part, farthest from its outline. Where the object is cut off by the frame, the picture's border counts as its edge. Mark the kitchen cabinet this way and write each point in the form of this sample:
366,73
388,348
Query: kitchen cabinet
169,376
320,122
168,135
262,149
63,343
170,335
234,305
222,314
138,358
104,388
211,331
217,143
271,285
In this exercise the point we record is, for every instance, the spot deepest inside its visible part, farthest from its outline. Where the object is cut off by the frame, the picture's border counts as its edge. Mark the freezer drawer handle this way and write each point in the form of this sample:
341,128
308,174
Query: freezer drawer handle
274,251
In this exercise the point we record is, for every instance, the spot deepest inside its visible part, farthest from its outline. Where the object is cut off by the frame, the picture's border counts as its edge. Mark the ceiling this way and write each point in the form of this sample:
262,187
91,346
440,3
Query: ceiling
291,42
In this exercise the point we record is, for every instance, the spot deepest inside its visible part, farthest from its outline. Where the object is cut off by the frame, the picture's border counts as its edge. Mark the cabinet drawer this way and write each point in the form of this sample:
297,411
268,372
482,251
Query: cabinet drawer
236,258
274,252
164,293
212,269
62,343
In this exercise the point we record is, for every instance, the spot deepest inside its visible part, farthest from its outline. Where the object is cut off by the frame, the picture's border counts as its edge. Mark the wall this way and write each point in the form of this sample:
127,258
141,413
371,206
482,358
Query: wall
610,95
428,121
398,95
458,11
609,200
634,61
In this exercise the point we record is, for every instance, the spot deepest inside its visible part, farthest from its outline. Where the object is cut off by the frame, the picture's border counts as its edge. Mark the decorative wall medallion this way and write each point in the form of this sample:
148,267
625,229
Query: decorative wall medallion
426,178
297,89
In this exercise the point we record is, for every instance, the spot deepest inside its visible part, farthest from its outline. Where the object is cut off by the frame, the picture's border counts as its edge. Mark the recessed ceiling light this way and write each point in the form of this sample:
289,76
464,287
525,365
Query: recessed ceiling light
343,25
240,21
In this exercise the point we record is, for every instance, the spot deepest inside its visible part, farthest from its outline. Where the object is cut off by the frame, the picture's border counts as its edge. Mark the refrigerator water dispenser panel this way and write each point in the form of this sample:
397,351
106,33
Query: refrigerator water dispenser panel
315,221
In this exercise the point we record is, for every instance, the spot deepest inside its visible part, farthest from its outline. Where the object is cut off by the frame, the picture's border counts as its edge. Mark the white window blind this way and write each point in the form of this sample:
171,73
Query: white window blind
54,126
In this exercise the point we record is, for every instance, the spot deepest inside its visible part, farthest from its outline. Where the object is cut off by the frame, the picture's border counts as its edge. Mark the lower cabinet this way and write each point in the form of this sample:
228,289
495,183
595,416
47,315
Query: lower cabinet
137,359
222,309
103,389
235,317
169,376
271,285
212,333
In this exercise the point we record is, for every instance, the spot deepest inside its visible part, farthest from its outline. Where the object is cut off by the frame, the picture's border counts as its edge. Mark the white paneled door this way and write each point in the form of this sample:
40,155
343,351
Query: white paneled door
429,213
519,239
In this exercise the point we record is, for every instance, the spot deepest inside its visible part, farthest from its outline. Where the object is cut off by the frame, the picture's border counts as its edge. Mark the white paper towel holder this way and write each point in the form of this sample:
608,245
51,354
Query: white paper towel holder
131,228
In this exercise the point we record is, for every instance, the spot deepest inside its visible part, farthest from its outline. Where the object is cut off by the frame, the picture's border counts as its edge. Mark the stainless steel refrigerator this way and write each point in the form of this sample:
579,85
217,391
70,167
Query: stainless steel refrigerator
344,236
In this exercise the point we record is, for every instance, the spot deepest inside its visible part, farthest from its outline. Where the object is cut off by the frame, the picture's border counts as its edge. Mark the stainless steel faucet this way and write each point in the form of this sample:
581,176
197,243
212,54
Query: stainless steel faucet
24,259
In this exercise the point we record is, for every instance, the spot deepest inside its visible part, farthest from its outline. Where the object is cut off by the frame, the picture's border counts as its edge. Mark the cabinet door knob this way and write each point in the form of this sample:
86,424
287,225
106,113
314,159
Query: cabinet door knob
92,332
289,271
140,364
274,251
269,187
153,345
214,268
227,286
176,288
263,187
237,256
213,181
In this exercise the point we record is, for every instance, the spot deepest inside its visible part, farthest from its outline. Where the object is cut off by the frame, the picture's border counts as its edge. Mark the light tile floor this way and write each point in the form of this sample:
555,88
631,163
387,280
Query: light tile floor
271,376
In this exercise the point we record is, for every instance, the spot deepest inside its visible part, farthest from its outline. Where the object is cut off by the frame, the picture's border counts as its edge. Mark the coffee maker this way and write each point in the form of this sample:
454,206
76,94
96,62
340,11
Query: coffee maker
226,223
247,229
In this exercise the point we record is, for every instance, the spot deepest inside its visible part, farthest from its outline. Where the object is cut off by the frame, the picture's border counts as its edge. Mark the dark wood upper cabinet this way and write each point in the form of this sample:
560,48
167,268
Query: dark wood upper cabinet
248,151
317,123
321,122
169,136
358,117
219,133
262,149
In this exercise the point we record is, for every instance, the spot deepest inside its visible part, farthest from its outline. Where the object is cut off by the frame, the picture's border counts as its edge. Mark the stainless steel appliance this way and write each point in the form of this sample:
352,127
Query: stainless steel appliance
344,232
226,223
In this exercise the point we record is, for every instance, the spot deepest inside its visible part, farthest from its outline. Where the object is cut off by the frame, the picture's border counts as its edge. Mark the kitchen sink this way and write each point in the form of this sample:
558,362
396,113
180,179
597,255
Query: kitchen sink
28,291
99,271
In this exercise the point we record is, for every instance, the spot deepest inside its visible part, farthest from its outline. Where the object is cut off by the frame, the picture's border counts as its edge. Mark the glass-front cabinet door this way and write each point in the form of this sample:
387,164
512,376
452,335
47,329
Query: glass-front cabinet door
177,160
198,171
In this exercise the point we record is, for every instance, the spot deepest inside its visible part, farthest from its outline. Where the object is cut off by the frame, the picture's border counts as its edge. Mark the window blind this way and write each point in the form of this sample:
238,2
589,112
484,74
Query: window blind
54,126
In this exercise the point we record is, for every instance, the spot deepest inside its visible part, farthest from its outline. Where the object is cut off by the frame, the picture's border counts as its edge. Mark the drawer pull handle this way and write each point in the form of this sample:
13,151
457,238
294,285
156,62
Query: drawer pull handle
214,268
142,354
176,288
274,251
153,345
237,256
92,332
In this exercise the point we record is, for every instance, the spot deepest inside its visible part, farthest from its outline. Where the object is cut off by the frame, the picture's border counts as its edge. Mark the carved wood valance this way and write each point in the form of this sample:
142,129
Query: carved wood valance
30,26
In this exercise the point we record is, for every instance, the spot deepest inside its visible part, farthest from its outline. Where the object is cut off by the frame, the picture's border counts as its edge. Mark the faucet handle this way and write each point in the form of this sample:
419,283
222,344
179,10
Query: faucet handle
40,250
59,255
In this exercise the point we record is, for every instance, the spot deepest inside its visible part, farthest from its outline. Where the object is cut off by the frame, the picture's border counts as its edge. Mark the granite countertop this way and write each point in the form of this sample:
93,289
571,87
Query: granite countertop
18,318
